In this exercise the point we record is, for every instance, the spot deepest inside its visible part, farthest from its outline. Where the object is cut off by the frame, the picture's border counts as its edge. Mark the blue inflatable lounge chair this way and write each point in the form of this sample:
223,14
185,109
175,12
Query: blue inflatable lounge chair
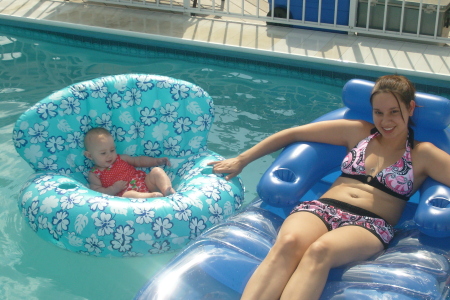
147,115
218,264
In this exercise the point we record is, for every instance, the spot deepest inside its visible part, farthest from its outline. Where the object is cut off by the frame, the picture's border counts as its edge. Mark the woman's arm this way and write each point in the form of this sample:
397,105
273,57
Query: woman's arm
145,161
337,132
433,162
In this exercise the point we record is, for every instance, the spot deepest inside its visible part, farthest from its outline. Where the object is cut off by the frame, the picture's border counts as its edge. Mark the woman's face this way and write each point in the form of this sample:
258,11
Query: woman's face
389,115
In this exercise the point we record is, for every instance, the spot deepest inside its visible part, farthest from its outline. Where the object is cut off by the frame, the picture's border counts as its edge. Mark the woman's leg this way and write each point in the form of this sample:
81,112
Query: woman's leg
333,249
297,233
157,180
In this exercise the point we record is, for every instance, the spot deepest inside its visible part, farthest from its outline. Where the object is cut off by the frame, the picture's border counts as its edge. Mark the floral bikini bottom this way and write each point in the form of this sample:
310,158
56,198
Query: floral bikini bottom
336,214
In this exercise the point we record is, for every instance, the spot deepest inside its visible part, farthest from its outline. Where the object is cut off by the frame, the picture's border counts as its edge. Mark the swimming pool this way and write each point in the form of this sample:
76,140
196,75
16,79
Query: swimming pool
252,99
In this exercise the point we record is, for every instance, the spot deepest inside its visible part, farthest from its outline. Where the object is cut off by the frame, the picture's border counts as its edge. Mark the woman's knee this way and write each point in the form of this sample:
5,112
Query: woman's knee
290,244
319,252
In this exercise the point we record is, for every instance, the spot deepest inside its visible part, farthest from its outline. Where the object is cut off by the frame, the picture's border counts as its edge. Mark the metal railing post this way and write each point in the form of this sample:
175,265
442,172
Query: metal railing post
352,16
187,7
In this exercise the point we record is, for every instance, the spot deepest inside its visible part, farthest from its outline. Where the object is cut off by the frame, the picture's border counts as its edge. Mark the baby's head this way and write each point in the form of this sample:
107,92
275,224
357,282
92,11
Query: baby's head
100,147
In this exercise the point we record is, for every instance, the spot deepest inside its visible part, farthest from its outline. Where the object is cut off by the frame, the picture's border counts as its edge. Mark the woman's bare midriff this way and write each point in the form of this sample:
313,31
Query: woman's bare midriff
367,197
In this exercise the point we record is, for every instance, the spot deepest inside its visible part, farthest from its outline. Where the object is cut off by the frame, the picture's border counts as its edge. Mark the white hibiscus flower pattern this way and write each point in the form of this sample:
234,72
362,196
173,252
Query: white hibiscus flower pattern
148,115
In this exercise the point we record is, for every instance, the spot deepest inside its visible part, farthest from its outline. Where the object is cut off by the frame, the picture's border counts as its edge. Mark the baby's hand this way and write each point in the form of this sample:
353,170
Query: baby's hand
119,186
163,161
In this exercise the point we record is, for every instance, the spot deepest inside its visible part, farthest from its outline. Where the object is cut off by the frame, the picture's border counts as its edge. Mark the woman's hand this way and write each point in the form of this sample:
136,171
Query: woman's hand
232,166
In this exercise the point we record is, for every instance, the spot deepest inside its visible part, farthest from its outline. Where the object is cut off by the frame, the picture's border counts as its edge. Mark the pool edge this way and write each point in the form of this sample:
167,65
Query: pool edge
128,36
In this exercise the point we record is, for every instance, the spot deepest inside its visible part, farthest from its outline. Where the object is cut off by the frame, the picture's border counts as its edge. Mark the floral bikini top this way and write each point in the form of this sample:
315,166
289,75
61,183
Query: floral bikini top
396,180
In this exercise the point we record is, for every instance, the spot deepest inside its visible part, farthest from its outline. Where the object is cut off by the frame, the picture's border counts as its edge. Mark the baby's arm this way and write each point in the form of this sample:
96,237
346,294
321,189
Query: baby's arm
96,185
145,161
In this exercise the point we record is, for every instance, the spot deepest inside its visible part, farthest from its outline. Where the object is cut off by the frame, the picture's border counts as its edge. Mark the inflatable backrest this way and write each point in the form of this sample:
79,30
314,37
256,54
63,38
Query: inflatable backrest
431,116
146,114
301,165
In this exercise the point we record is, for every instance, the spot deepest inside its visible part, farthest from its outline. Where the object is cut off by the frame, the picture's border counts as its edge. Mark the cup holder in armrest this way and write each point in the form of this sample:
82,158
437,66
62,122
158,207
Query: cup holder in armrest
439,202
67,186
285,175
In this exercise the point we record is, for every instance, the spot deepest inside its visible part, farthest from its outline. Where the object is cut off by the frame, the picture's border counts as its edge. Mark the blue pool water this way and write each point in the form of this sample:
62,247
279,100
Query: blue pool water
252,99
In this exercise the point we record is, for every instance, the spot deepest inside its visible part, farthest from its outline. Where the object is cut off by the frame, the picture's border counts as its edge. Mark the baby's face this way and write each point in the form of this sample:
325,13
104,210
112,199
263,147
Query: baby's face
102,151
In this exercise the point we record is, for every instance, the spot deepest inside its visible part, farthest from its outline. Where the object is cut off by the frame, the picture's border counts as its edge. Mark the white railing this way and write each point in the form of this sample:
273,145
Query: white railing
426,20
419,20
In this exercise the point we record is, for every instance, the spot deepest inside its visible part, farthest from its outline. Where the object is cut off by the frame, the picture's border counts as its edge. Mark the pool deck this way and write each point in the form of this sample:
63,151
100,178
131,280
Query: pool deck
368,53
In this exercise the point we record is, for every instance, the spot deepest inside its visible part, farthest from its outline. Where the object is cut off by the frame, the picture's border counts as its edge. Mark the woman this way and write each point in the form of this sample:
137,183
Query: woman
354,219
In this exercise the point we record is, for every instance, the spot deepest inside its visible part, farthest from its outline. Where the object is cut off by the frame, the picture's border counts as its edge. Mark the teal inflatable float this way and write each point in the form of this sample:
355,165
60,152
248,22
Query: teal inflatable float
147,115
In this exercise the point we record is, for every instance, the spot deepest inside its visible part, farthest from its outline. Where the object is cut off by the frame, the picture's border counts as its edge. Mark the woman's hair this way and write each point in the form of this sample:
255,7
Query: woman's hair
94,132
399,86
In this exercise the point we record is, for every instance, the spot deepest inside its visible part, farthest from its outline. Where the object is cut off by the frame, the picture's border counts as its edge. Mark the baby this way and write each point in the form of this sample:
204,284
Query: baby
115,174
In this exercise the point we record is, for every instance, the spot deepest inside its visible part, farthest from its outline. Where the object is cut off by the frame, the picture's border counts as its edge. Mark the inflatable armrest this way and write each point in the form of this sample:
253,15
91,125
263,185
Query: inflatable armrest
296,170
433,213
63,211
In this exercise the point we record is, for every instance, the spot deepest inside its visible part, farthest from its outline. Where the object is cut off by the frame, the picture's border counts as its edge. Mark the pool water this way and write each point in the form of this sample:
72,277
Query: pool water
252,102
